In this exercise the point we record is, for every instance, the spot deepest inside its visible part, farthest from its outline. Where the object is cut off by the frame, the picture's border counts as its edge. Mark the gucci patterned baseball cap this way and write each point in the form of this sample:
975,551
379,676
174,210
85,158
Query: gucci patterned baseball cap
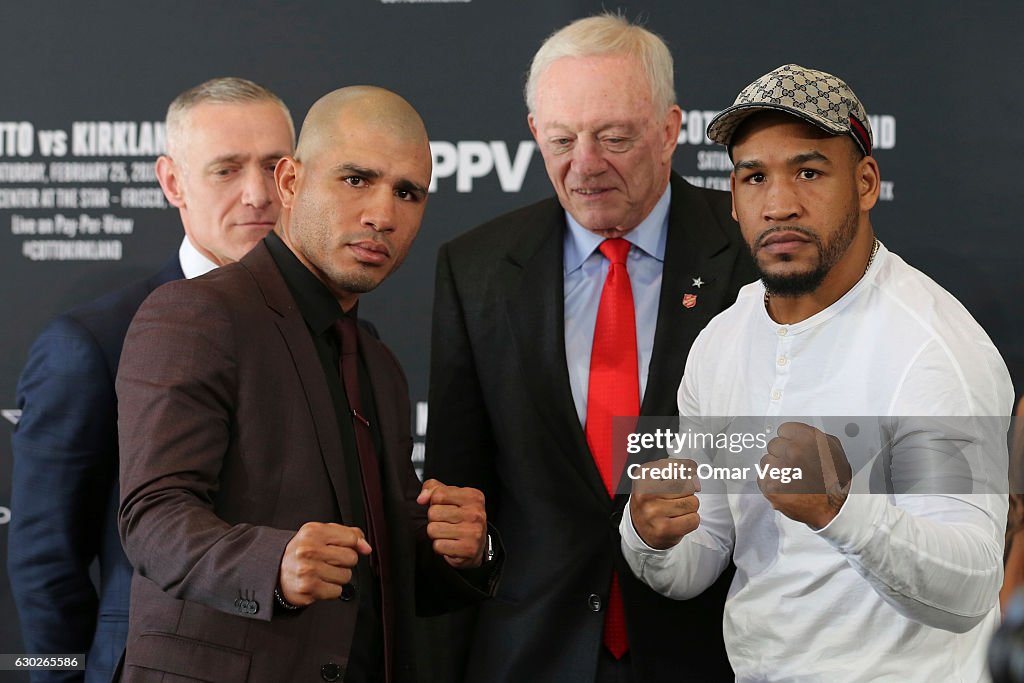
817,97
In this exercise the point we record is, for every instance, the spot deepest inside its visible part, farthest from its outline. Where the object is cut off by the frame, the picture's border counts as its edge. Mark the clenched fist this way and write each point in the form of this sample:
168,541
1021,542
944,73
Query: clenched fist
665,510
456,522
318,561
818,495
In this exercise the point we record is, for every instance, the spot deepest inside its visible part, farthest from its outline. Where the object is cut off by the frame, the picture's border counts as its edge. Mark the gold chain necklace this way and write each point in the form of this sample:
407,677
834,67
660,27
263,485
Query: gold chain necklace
871,259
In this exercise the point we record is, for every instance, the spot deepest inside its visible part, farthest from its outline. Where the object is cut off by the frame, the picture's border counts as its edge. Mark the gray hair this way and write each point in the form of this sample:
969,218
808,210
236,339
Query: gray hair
608,34
225,90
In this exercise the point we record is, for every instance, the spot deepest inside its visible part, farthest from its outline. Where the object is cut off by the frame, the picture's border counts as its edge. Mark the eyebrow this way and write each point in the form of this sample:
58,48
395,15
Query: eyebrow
751,164
810,156
618,123
240,158
373,174
410,186
357,170
225,159
274,156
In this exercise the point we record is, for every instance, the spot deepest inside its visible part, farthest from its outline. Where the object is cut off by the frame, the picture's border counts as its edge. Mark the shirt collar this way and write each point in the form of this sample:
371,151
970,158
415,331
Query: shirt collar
193,263
650,236
317,305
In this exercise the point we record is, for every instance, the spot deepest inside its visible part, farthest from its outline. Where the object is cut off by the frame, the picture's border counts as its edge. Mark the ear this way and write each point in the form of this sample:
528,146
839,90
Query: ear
732,194
169,176
533,127
869,182
673,122
286,175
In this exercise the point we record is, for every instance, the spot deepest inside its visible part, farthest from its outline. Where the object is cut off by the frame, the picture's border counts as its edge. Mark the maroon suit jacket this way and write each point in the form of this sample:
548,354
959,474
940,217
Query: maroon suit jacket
229,443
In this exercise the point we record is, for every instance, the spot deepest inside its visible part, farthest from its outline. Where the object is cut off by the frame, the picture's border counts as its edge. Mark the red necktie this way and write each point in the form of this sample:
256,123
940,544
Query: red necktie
614,391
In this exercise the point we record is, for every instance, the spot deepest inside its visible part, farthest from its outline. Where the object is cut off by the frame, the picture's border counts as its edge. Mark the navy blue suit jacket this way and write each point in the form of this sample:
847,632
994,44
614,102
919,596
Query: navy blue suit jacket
64,488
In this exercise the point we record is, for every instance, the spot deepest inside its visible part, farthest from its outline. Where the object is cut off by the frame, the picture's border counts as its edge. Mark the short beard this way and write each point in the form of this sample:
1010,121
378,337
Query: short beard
829,253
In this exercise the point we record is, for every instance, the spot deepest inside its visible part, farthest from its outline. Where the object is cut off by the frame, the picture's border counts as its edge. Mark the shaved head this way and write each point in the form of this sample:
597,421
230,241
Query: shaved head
354,108
353,195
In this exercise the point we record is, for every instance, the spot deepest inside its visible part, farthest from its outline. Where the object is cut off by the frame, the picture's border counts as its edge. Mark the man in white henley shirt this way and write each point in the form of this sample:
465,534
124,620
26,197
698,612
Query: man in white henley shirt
831,586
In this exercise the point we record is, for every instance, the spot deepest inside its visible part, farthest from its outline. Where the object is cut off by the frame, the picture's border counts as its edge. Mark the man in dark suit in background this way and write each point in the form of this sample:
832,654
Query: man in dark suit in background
224,138
538,342
266,451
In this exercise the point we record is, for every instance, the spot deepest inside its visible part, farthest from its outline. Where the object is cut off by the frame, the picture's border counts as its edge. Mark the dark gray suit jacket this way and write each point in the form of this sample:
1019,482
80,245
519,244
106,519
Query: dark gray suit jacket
502,418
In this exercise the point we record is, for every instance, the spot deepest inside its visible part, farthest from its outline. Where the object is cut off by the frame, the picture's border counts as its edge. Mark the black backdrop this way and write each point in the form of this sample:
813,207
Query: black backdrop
83,90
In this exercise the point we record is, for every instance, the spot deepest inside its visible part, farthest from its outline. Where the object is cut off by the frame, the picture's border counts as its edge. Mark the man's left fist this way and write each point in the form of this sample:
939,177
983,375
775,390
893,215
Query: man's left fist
816,497
456,522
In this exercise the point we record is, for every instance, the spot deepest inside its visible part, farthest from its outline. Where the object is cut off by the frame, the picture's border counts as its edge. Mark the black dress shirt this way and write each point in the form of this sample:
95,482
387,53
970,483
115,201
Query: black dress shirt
320,309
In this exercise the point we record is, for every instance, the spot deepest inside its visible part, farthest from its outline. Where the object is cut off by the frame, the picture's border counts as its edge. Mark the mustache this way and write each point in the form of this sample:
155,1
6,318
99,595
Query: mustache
809,234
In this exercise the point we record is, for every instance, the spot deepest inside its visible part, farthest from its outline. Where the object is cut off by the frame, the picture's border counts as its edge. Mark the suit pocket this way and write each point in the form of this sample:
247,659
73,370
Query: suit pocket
186,658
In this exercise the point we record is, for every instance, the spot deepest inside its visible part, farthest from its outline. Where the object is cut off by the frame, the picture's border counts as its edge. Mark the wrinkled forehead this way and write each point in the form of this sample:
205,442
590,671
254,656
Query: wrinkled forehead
597,86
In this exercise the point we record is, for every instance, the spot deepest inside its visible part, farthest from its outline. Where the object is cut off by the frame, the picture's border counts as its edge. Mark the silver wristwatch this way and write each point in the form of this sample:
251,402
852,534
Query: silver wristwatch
489,555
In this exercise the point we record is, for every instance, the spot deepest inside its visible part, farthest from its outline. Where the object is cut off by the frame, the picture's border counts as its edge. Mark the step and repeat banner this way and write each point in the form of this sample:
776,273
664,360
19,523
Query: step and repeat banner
83,91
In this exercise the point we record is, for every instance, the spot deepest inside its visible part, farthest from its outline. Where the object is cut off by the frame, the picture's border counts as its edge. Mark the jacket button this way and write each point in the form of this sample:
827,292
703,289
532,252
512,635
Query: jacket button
594,602
330,672
348,591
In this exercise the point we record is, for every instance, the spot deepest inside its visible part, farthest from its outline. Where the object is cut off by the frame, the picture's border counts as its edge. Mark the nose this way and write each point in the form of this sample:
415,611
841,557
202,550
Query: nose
379,212
588,157
781,202
258,189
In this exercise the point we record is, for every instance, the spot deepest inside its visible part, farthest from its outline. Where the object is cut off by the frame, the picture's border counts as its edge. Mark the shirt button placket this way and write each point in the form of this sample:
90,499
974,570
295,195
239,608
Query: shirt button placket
782,366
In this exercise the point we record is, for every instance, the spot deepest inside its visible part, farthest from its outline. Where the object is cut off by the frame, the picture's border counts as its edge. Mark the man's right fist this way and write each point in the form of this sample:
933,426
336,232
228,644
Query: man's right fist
318,561
665,510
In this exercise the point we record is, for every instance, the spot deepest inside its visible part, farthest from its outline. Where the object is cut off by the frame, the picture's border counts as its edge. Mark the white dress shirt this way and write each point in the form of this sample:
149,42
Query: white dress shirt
193,263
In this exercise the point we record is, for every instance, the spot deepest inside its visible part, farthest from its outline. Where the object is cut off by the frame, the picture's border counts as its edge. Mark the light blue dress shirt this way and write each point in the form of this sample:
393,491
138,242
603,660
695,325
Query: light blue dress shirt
585,272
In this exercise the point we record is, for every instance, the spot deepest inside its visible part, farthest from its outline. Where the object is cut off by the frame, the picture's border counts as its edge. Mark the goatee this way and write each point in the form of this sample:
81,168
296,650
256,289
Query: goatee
806,282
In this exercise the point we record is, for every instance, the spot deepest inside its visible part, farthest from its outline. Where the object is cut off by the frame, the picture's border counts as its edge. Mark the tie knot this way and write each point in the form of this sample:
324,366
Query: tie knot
615,250
345,328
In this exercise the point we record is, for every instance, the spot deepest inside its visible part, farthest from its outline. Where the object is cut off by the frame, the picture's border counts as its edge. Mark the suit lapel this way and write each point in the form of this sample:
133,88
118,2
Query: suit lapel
696,247
535,306
303,354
